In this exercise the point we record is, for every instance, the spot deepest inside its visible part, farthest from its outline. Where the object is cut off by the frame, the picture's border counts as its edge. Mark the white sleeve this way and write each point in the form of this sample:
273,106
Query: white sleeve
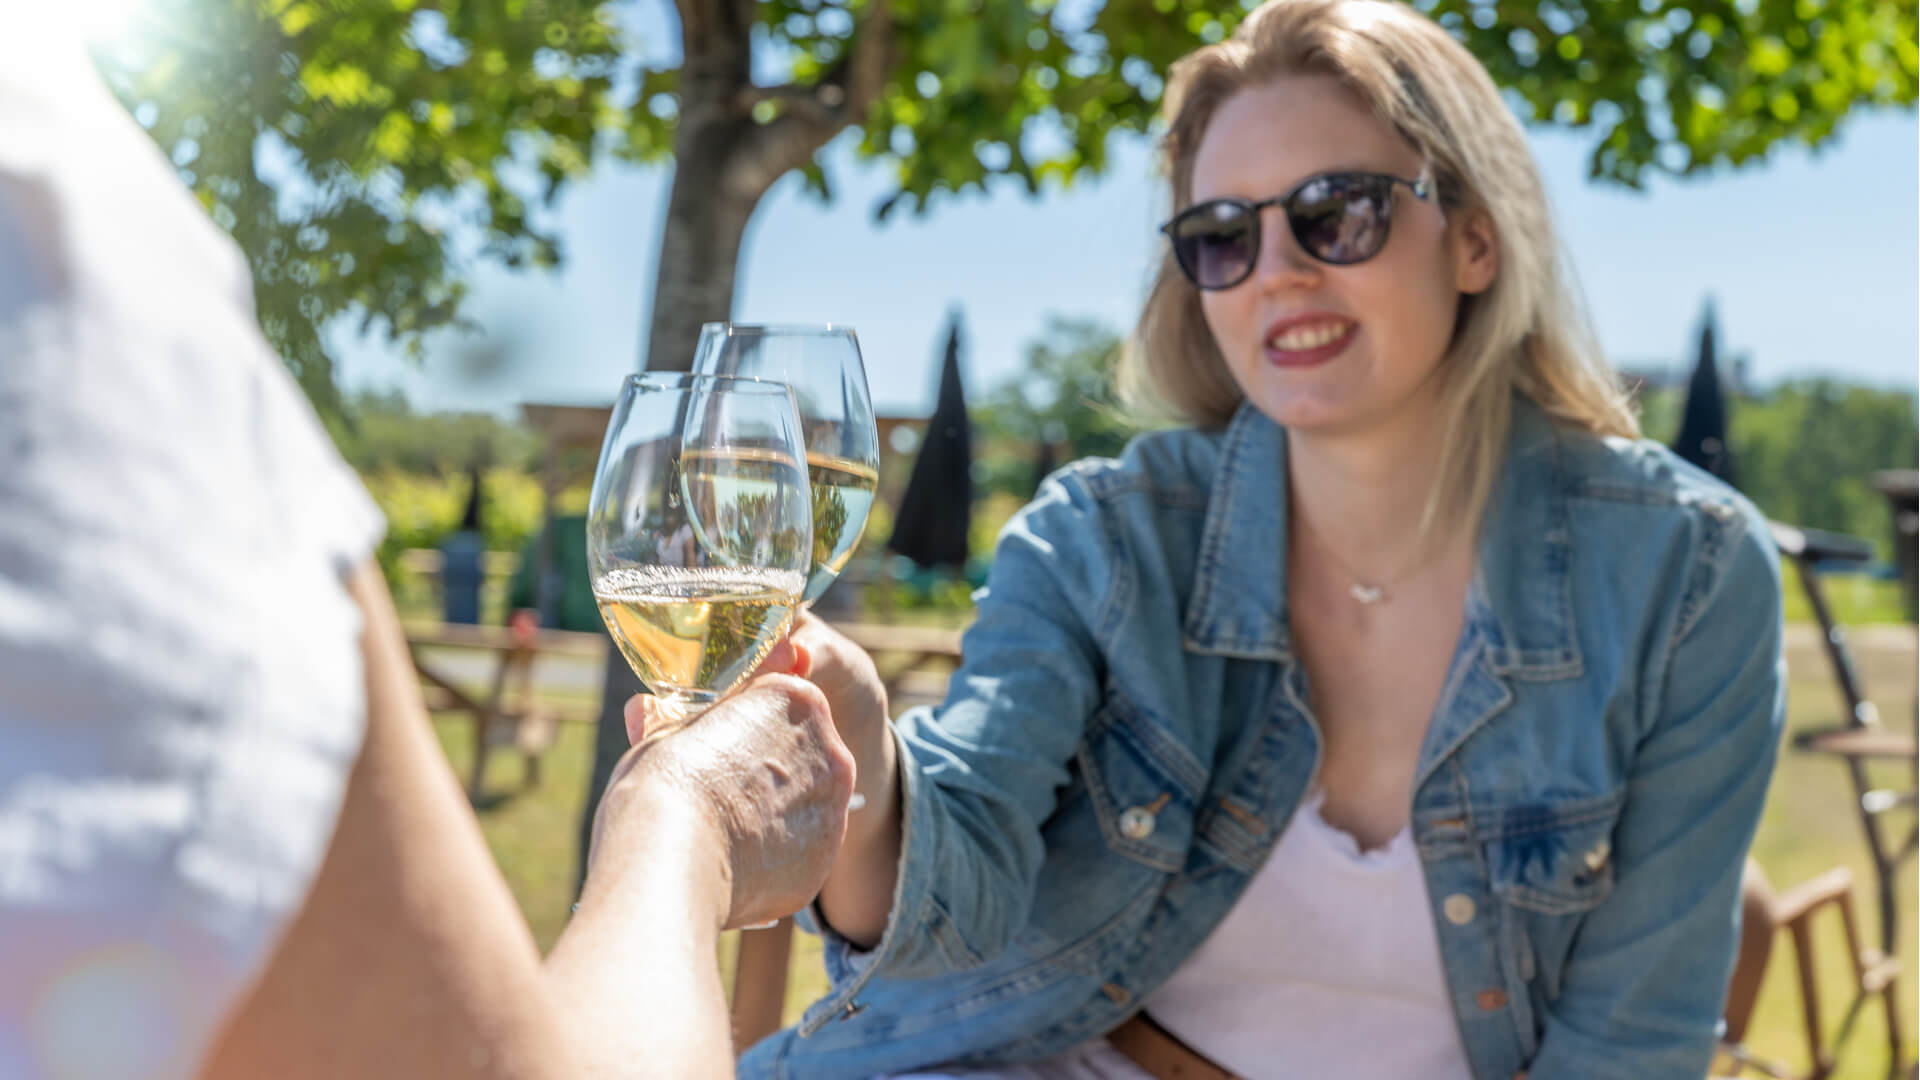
181,695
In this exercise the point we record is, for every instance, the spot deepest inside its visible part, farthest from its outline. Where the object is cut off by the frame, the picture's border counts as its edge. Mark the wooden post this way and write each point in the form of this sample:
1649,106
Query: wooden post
760,982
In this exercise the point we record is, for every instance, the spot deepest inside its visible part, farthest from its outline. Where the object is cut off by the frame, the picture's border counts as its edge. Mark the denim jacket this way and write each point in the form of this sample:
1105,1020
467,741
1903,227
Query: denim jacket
1130,732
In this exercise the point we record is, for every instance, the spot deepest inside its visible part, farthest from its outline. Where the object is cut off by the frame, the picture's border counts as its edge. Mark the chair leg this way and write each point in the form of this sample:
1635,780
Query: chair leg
482,740
1757,929
1822,1060
760,982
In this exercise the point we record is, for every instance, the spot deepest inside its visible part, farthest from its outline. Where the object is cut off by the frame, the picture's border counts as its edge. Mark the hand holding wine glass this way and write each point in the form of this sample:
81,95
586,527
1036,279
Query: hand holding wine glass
699,532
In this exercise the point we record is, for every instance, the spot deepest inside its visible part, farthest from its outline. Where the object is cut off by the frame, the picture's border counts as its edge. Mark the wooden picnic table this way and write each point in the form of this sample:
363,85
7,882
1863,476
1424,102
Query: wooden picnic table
905,656
509,711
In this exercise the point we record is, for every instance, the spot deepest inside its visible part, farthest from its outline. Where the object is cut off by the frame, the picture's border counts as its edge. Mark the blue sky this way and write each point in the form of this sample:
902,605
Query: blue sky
1814,261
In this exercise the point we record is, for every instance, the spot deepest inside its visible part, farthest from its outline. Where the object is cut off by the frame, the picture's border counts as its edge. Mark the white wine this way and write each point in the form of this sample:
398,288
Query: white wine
692,634
744,503
842,498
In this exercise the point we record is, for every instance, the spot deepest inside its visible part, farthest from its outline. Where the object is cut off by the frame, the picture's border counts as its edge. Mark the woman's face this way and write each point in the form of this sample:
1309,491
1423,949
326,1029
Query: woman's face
1322,348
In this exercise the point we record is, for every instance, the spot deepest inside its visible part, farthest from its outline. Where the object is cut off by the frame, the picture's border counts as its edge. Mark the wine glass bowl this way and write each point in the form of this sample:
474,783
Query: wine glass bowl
699,532
823,365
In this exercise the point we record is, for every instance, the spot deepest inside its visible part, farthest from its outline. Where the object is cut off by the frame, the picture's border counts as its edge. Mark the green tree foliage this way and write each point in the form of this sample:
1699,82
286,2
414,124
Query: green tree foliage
365,151
382,431
1807,451
1063,398
417,468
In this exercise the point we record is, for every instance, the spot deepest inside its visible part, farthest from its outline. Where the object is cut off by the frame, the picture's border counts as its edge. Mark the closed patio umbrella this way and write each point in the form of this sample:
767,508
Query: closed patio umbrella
1703,424
936,511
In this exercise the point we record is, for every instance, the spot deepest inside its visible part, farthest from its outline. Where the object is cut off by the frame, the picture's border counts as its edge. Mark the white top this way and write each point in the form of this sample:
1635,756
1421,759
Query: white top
1327,966
180,683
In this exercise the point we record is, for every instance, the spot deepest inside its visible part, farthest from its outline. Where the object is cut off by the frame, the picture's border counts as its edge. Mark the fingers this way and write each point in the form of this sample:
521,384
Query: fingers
787,657
803,703
638,709
799,699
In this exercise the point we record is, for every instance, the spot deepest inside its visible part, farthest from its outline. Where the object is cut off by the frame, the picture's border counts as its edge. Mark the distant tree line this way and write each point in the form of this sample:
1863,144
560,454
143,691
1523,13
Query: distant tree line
1806,449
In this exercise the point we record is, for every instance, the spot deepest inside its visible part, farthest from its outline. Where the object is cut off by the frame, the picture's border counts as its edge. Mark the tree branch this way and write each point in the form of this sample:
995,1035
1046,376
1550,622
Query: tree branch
811,115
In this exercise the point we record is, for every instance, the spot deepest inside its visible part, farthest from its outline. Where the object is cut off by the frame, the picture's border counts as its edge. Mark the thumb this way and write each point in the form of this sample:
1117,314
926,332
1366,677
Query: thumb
638,711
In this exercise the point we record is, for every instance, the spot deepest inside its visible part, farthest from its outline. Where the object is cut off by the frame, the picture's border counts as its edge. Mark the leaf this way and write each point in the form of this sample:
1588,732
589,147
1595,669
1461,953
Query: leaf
386,122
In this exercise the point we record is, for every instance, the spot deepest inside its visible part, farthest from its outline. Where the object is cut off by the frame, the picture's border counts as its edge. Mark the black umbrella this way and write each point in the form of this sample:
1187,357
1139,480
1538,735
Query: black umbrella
1703,425
1044,462
931,524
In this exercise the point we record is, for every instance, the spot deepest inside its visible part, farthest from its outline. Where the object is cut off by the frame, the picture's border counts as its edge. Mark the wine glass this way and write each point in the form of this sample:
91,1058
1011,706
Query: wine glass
699,532
822,364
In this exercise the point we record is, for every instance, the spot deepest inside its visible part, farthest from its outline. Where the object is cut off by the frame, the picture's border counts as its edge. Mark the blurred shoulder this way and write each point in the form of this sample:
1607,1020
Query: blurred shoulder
1175,465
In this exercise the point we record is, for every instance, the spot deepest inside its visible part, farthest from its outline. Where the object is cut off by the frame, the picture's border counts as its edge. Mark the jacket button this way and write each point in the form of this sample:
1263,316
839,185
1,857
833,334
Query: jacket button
1136,823
852,1010
1597,858
1459,909
1492,999
1116,993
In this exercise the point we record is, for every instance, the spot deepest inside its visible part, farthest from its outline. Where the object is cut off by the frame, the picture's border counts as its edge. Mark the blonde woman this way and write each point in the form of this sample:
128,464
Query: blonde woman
1400,716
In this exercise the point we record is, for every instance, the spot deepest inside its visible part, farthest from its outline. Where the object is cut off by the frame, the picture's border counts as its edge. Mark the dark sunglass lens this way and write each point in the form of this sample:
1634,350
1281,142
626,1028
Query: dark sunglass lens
1341,219
1215,243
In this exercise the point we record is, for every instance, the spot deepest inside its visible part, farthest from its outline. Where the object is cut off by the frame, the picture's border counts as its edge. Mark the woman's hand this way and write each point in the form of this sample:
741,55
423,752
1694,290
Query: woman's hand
858,700
858,894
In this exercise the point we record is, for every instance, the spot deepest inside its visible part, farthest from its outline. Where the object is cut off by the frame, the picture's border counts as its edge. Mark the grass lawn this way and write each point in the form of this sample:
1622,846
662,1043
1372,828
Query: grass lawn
1856,599
1809,826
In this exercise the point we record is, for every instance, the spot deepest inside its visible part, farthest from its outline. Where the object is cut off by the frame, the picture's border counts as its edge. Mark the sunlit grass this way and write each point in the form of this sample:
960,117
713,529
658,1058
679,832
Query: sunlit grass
1855,599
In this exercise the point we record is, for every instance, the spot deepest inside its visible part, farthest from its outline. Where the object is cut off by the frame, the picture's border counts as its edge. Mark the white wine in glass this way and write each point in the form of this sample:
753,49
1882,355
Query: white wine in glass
699,532
822,363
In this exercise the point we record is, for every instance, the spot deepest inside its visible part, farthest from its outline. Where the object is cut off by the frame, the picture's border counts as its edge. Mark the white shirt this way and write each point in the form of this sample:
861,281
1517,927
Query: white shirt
180,683
1328,965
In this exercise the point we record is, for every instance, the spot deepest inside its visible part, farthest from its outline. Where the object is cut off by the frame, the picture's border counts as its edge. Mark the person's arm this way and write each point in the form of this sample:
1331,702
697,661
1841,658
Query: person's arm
939,869
409,958
859,892
1644,986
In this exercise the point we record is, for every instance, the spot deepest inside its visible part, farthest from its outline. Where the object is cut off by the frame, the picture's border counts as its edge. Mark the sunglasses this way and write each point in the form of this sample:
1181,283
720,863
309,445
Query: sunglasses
1339,218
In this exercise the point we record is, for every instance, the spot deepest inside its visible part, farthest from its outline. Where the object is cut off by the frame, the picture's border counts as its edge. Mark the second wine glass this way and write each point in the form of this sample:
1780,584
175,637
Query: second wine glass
822,363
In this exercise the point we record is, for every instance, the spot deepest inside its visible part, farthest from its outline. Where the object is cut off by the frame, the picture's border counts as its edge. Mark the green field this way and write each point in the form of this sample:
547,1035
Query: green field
1809,827
1856,599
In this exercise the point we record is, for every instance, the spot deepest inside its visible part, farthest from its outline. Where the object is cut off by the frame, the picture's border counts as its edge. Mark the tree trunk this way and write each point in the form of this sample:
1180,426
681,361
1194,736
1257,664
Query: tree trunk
724,161
693,285
700,245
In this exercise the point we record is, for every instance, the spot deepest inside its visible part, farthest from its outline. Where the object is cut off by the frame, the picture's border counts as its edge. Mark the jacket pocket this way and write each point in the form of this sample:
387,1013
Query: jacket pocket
1138,779
1549,863
1555,858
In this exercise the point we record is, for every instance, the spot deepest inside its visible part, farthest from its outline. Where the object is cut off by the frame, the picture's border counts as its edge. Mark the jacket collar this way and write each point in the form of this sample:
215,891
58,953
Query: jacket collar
1521,603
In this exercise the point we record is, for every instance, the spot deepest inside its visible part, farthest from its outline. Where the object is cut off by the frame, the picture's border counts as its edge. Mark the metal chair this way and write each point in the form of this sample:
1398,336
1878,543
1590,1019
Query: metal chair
1861,739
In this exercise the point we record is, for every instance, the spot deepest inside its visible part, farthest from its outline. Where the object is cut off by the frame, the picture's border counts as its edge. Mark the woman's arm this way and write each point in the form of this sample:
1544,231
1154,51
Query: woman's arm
938,870
859,892
1645,985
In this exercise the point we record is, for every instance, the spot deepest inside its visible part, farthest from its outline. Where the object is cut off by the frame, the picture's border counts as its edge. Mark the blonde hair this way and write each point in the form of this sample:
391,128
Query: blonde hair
1524,333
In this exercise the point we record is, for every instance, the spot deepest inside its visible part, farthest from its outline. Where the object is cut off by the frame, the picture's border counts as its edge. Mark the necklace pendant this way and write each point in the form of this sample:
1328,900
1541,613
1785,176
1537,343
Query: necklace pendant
1367,594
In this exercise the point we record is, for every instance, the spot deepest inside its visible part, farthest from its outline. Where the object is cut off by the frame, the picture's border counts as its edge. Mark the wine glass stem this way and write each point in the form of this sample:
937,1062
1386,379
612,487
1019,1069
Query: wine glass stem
675,709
